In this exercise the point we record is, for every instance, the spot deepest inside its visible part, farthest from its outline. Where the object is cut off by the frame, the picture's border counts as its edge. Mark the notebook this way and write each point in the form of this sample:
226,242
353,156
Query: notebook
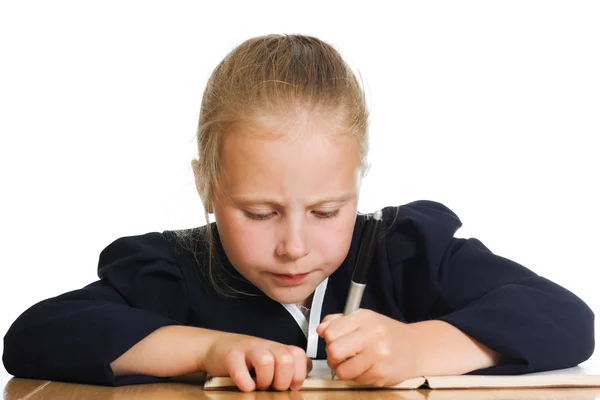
320,379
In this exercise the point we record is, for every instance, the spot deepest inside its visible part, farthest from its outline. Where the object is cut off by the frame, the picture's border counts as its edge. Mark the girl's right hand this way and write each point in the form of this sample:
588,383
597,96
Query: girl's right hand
275,365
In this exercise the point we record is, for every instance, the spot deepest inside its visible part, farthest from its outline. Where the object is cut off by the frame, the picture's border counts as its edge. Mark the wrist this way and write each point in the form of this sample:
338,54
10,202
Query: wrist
417,347
204,344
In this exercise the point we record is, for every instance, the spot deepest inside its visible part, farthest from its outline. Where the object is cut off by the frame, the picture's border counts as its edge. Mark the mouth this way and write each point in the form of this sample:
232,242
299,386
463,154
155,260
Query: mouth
290,278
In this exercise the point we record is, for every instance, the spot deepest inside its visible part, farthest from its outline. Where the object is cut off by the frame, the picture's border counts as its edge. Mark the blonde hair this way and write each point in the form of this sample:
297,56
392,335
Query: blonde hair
271,74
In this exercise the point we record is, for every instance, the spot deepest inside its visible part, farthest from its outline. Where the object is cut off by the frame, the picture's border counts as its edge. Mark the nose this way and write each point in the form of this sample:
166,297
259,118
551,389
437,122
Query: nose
293,243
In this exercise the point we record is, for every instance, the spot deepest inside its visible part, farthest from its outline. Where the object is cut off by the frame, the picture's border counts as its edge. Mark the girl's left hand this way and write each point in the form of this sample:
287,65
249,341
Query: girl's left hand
369,348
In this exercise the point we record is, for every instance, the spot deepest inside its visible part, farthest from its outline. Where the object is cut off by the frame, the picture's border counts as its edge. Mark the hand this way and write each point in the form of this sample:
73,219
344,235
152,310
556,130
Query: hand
275,365
369,348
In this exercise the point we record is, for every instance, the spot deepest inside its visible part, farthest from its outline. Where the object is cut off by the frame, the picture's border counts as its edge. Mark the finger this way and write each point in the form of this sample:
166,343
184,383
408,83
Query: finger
354,367
373,376
323,325
379,355
300,367
237,368
345,347
339,327
330,317
264,365
284,368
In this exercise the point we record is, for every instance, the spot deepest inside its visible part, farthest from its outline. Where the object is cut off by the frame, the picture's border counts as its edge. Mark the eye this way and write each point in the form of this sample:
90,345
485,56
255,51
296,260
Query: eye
259,217
325,215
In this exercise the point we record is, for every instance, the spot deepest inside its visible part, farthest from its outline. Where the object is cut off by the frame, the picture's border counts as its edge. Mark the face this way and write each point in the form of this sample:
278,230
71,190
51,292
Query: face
288,204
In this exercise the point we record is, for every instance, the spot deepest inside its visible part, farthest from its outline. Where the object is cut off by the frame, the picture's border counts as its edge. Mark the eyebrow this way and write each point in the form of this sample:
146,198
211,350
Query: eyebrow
279,203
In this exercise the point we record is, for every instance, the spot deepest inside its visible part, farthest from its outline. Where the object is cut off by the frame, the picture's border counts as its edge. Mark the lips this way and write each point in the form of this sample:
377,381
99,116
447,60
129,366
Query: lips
290,278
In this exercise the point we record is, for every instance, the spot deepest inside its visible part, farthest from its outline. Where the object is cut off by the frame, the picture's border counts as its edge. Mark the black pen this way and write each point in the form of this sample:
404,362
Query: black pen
363,262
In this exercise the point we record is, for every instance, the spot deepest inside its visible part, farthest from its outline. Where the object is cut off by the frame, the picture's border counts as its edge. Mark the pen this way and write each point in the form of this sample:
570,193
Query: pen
361,267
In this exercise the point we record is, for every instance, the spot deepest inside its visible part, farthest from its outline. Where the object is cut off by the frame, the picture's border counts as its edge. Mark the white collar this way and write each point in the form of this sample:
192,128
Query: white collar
309,328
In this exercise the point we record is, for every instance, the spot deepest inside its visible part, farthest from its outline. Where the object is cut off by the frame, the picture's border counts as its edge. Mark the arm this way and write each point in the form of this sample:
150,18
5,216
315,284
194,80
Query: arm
75,336
128,328
533,323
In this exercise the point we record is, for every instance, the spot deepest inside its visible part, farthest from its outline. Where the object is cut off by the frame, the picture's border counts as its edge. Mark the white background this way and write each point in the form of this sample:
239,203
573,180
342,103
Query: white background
492,108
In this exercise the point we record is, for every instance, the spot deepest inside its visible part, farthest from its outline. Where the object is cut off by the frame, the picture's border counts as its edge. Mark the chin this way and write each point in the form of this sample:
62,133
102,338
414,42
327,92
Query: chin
289,298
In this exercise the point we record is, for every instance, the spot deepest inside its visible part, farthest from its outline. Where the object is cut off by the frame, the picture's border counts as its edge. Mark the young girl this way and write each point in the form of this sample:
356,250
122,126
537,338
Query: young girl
282,142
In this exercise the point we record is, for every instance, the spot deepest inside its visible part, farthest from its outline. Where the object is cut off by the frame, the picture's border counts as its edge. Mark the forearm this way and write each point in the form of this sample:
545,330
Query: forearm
445,350
168,351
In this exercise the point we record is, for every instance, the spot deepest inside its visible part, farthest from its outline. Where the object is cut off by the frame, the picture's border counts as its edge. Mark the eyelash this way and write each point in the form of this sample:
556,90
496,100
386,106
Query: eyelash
319,214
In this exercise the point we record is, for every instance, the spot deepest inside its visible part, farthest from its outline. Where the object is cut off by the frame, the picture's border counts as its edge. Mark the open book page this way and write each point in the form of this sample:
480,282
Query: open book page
319,378
503,393
571,377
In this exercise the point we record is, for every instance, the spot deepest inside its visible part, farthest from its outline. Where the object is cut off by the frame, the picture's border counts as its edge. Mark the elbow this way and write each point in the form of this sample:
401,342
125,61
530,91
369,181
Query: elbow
23,347
573,323
583,333
10,356
566,337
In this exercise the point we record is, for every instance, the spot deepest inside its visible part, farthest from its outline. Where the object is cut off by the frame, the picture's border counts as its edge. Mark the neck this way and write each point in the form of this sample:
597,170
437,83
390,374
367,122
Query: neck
307,302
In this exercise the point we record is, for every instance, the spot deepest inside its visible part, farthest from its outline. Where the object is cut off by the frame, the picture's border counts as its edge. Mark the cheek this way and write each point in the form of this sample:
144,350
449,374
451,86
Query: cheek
332,244
244,242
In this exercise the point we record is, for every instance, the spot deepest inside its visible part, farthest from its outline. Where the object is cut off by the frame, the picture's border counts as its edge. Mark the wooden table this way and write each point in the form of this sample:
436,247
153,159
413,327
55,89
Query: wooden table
29,389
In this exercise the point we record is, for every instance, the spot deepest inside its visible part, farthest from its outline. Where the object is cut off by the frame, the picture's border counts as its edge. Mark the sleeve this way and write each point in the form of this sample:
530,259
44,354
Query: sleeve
75,336
533,323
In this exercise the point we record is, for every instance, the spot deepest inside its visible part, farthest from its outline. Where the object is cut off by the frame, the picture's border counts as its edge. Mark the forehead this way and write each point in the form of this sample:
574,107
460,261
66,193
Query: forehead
301,156
299,121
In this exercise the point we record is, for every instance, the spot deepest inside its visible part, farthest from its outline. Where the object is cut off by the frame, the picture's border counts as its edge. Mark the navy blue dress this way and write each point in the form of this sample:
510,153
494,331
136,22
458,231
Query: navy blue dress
420,272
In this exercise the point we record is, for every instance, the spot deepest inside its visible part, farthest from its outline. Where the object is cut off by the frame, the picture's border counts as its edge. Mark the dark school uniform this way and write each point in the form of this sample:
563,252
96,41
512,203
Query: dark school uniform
420,272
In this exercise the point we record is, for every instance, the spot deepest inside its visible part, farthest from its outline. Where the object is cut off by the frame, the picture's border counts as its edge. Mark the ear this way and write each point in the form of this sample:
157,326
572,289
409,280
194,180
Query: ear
200,187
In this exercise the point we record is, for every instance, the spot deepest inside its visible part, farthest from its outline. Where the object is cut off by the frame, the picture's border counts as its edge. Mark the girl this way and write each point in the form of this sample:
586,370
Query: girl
282,141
